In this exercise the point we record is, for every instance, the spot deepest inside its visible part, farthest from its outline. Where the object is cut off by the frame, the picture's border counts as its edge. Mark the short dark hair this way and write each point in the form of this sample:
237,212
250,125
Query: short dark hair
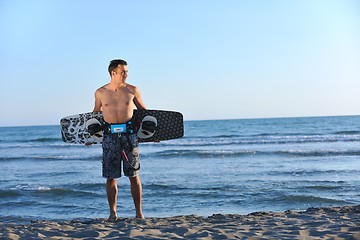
114,63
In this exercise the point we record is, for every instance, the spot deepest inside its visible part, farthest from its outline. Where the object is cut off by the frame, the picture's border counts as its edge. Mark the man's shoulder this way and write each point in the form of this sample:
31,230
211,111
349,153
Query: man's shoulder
100,92
102,88
132,88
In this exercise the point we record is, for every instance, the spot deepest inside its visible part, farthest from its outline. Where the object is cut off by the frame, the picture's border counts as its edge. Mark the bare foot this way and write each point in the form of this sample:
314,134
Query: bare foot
112,218
140,216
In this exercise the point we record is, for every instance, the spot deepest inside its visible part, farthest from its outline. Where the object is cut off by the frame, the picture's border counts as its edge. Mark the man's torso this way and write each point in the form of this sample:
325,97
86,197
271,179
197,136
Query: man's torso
117,106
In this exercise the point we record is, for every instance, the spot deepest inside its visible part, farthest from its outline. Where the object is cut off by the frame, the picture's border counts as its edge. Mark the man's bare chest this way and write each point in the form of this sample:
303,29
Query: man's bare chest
117,98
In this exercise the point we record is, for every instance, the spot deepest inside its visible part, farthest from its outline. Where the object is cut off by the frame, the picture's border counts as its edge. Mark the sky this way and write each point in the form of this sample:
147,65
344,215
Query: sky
208,59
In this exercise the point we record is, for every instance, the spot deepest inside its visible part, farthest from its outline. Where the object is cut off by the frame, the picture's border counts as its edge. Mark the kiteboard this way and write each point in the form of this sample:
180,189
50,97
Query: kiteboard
149,125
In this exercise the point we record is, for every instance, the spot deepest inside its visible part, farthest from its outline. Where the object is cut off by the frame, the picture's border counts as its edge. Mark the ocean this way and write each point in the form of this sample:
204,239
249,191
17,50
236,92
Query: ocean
220,166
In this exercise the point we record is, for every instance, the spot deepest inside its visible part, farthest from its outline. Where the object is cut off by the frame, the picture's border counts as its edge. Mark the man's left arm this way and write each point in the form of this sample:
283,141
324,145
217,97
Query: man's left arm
138,100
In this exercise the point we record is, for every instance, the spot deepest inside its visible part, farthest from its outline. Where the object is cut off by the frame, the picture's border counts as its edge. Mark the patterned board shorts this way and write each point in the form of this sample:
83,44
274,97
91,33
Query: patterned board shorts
119,148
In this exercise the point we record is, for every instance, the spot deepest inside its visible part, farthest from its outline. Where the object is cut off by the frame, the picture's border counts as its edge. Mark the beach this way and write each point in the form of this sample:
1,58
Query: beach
314,223
225,179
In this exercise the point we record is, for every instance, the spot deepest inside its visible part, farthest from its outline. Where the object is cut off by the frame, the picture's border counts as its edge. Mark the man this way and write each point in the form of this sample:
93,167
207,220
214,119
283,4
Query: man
116,100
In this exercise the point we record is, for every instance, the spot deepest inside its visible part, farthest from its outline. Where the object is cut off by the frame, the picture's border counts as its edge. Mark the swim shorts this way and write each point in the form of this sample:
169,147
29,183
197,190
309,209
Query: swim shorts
119,148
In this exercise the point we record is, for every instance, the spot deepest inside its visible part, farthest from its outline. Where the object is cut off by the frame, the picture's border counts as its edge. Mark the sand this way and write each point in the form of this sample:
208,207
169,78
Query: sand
314,223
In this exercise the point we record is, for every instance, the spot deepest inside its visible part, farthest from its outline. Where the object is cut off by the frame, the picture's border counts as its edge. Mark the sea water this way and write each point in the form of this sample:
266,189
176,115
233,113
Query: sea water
219,166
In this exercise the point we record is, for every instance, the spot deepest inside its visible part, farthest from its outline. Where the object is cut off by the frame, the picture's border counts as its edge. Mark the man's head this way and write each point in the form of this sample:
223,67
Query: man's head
115,63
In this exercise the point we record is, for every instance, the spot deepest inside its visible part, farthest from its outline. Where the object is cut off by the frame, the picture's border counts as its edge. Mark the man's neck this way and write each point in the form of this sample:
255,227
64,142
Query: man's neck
114,85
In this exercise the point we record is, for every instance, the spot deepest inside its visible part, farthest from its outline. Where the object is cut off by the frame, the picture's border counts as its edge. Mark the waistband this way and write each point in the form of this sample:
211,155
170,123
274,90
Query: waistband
118,128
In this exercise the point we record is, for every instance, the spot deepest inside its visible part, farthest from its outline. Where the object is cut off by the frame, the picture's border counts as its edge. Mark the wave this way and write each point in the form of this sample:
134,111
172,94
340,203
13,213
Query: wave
272,134
9,193
65,192
199,188
259,140
351,132
53,158
32,140
322,187
313,172
186,153
88,186
44,139
38,144
195,154
202,141
309,199
45,191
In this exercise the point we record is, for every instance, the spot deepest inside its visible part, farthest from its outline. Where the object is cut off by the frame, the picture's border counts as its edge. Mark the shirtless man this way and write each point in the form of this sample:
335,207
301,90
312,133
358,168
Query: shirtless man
116,100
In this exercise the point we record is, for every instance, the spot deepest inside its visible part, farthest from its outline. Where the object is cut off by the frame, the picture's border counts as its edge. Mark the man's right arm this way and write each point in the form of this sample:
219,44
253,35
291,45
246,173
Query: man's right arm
97,107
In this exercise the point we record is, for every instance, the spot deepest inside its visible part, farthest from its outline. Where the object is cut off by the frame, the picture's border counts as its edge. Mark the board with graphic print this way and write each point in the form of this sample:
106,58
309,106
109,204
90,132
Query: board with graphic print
150,126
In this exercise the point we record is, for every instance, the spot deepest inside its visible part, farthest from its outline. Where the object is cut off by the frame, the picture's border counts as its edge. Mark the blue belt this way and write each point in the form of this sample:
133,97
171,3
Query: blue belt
117,128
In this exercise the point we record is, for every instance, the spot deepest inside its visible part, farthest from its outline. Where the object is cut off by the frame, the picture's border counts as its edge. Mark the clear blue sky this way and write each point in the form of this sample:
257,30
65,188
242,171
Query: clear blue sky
207,59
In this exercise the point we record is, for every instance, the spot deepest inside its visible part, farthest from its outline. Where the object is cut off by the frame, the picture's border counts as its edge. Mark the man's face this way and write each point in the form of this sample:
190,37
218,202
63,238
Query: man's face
121,72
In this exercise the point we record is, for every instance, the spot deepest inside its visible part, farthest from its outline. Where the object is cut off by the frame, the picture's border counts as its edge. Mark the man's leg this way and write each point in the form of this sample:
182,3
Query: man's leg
136,192
112,192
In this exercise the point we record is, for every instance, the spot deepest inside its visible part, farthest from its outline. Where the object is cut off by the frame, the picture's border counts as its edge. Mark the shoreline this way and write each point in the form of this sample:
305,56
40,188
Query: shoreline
314,223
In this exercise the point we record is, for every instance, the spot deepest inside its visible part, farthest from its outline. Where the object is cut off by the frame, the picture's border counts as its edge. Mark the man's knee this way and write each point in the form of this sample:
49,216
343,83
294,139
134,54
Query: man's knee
135,180
111,182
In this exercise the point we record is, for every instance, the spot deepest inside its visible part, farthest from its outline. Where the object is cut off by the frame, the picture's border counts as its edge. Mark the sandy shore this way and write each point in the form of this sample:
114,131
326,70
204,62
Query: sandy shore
314,223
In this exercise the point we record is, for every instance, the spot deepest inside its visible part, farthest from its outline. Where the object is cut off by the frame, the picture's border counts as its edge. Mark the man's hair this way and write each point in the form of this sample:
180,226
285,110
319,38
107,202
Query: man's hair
114,63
